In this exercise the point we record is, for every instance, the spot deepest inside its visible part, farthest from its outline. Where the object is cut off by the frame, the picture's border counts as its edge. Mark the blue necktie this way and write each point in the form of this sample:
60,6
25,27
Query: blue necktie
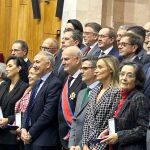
32,101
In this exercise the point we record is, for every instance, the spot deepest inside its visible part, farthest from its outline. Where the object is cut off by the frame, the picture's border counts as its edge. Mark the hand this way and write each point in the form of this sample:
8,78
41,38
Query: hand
85,147
72,148
3,122
111,139
104,134
77,147
25,136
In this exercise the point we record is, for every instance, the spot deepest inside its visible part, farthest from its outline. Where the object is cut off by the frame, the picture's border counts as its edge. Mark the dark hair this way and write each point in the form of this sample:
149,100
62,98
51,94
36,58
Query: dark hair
76,24
92,59
135,39
23,73
138,30
139,74
24,45
95,26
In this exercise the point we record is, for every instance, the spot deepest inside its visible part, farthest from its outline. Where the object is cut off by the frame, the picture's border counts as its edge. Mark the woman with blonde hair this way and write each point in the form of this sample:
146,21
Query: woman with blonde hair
103,101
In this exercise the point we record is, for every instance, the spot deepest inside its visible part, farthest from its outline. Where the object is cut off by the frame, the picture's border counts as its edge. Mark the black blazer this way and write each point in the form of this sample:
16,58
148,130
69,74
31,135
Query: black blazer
7,104
44,123
63,127
132,123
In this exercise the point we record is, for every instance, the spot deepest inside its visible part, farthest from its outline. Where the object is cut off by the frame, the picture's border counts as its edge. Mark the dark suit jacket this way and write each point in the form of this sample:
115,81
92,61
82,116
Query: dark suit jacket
63,127
44,124
59,72
132,123
78,121
113,52
7,103
148,135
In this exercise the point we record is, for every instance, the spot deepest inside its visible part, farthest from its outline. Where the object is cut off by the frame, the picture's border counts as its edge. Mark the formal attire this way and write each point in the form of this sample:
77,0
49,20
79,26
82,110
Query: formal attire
148,136
97,115
90,51
67,107
40,118
7,103
110,51
79,116
132,122
144,57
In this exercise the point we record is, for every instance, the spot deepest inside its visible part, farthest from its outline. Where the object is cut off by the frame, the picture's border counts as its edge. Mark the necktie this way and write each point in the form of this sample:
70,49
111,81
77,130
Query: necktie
70,78
102,53
86,51
85,96
32,101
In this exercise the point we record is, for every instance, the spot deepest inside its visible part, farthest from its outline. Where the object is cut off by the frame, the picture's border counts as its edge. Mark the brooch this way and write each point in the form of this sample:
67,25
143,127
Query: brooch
72,95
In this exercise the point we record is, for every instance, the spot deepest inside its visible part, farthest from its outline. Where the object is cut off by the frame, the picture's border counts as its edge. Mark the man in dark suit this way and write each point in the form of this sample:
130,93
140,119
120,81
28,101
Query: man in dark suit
90,36
70,38
87,72
106,40
40,126
129,47
71,60
20,49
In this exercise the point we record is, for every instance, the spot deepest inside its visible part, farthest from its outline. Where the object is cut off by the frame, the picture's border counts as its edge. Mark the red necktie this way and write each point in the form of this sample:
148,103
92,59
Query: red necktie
86,51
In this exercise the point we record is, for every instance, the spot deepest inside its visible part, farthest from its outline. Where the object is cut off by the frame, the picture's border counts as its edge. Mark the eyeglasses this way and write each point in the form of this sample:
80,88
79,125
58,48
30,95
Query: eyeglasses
88,33
102,36
124,44
128,75
48,49
16,50
86,68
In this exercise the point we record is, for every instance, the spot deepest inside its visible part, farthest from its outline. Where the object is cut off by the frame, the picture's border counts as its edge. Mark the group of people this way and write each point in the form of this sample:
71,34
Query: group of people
92,94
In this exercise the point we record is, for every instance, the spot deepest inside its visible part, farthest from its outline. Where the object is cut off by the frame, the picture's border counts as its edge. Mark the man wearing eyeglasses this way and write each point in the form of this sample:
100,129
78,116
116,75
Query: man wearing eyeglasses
50,45
20,49
90,36
106,40
88,76
129,47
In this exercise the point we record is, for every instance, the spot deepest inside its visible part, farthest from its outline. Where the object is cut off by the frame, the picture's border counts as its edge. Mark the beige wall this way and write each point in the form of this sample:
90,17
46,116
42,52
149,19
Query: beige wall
107,12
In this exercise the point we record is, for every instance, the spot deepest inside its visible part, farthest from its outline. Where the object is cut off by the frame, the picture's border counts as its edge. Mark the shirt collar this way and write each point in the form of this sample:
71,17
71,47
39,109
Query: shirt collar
107,50
44,78
76,74
92,46
93,85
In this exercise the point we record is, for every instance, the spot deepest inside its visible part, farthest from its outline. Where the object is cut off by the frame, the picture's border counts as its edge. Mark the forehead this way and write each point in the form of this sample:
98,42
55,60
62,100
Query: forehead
88,29
87,63
124,39
16,46
68,53
128,69
47,43
101,62
68,34
11,61
121,31
104,31
69,25
39,57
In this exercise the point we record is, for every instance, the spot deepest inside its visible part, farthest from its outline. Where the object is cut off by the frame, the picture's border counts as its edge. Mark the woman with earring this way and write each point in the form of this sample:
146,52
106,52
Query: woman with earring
102,103
10,92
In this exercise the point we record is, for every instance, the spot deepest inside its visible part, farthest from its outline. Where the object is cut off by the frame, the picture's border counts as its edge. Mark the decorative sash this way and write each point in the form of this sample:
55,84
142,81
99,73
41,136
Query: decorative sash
67,112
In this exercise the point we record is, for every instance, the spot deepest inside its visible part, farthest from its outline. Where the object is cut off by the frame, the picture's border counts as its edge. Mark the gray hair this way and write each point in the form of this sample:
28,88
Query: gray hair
92,59
124,27
3,70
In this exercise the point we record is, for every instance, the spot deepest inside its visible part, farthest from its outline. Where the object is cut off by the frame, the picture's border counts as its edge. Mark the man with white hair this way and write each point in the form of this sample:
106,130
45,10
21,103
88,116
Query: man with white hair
2,72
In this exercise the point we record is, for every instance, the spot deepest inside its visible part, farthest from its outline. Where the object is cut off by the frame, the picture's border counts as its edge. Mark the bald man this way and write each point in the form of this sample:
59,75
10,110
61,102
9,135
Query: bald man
50,45
71,60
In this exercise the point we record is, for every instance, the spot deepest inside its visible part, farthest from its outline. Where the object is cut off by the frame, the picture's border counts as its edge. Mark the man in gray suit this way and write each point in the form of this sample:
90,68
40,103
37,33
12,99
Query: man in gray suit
87,71
90,36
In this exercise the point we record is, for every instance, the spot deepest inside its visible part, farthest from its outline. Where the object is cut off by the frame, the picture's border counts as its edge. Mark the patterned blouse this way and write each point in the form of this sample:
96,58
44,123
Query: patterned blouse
97,115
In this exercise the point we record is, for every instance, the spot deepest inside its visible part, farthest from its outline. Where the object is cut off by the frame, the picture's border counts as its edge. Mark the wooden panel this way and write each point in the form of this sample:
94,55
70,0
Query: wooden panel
16,22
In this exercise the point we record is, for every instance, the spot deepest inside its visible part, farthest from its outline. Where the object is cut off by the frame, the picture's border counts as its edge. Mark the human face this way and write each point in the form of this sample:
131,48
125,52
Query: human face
32,76
127,78
41,65
87,72
89,36
148,45
120,33
48,46
103,72
104,41
125,48
67,40
70,62
12,69
17,51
